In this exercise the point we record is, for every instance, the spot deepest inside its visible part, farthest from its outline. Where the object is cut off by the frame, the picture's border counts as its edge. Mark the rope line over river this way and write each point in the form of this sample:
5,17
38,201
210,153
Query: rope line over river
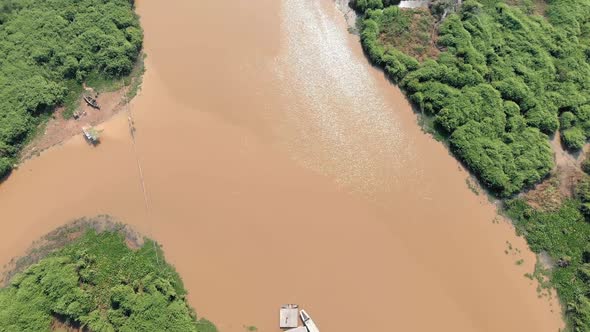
131,123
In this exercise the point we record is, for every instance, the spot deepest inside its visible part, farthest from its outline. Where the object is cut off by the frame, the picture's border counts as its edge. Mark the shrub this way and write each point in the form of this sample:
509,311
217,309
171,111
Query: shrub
45,45
500,84
573,138
100,284
567,120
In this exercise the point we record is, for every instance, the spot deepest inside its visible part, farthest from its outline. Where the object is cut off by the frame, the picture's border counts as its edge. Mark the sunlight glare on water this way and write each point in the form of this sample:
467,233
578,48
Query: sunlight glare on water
345,129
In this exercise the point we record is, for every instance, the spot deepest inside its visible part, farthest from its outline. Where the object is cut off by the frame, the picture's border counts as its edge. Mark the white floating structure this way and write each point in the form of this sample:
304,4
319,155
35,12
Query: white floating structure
288,316
308,322
298,329
91,134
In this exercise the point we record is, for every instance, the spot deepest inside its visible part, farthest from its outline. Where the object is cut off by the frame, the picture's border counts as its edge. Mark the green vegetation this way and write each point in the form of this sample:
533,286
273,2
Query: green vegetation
505,79
47,49
97,282
362,5
409,31
586,166
505,76
472,186
135,79
564,235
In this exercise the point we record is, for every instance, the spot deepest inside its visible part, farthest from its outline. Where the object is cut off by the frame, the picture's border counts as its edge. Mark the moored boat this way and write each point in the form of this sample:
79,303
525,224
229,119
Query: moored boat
91,134
308,322
91,101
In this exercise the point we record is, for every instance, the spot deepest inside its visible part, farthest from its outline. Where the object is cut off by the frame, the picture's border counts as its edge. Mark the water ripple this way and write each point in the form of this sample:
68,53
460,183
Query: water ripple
343,126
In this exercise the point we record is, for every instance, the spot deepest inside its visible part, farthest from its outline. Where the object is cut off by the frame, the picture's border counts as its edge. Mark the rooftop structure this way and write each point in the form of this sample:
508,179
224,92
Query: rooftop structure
288,316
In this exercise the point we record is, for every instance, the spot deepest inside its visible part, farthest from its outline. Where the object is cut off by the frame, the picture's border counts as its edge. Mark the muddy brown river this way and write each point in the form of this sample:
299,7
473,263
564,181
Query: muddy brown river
280,167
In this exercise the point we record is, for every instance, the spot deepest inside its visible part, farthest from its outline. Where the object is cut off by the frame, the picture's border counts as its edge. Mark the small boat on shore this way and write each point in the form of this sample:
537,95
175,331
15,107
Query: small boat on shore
308,322
91,101
91,134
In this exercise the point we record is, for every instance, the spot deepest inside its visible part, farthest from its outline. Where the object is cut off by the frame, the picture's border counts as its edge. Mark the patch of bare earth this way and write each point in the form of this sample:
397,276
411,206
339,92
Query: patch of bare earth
540,7
58,325
536,7
560,185
59,129
420,37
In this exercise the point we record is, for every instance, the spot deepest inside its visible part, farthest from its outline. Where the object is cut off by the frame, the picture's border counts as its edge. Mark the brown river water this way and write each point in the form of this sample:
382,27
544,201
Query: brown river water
280,167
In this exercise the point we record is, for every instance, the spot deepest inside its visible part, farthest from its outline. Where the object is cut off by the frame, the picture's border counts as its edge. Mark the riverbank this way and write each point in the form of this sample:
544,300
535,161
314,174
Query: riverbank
44,68
244,155
554,196
112,96
95,274
65,235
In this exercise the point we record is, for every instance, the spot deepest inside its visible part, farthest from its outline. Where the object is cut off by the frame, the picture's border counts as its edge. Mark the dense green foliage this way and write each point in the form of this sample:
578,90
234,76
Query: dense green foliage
565,236
99,283
504,81
47,48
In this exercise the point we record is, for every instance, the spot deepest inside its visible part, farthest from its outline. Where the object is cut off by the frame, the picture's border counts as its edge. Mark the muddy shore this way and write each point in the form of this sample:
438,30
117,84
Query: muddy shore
292,152
60,128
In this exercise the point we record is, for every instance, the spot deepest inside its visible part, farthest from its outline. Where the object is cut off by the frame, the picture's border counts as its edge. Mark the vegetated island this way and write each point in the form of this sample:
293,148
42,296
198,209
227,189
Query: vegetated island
494,79
95,275
48,50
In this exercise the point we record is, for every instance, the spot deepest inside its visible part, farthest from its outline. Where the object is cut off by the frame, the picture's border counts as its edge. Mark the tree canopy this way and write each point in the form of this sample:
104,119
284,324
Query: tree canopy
47,45
564,235
505,79
99,283
509,74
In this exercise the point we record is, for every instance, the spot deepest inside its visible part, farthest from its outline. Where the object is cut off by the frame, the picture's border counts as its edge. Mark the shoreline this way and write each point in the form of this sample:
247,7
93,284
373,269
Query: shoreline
58,129
350,16
64,235
546,195
200,183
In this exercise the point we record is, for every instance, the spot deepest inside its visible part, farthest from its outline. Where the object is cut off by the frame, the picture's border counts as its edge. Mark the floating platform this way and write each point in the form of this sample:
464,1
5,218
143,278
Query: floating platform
288,316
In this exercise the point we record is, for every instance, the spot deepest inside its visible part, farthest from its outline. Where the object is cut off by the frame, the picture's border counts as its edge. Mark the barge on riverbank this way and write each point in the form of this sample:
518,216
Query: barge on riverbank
91,134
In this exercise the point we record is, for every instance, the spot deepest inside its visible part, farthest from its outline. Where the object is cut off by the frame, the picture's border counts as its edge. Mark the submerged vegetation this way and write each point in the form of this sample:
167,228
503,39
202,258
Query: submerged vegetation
506,75
47,49
564,235
96,282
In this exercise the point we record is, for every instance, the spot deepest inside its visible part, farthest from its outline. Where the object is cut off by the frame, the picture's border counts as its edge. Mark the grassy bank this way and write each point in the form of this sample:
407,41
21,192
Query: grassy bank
87,276
564,235
47,49
495,79
500,83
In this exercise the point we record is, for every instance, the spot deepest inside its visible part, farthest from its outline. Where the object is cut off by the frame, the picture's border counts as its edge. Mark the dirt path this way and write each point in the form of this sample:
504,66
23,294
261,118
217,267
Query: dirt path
567,166
59,129
561,184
